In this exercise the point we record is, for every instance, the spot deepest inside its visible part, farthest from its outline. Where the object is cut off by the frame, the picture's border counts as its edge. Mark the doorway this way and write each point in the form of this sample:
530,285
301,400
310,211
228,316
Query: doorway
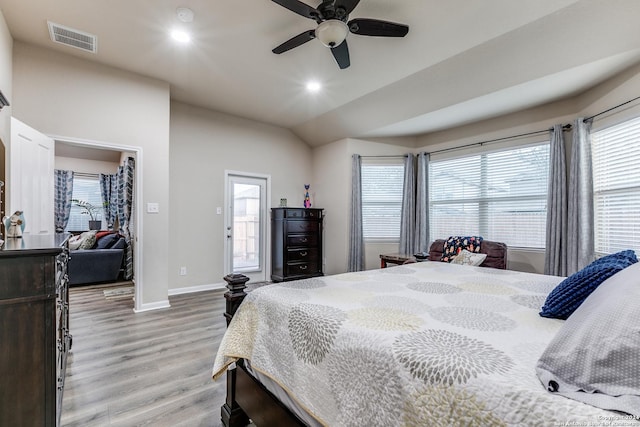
246,223
100,152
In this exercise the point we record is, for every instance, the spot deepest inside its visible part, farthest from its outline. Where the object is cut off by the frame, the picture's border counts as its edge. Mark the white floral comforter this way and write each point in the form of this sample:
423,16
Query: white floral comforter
424,344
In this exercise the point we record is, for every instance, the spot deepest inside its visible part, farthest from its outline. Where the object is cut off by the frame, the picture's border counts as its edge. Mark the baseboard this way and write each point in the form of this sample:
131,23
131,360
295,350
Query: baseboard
199,288
153,306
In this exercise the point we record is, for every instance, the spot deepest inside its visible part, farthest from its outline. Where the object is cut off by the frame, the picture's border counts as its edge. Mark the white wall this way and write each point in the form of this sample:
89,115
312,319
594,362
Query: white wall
66,96
85,166
203,145
332,177
6,83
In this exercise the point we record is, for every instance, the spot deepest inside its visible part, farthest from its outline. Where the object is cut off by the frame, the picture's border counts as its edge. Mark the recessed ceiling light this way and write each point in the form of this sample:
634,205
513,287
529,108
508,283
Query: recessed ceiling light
313,86
181,36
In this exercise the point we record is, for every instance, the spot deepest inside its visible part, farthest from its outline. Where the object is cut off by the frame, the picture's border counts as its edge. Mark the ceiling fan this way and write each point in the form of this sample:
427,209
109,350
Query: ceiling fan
333,27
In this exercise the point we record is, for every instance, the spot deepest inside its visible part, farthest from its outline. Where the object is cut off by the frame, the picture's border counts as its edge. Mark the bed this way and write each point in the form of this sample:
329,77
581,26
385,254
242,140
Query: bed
422,344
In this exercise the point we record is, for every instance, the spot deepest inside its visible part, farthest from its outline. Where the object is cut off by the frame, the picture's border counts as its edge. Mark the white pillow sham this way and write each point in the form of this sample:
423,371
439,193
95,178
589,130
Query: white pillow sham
468,258
594,357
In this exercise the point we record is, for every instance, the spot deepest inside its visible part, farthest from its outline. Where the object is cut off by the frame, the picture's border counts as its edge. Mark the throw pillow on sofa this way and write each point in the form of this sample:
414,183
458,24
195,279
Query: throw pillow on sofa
89,241
80,241
107,241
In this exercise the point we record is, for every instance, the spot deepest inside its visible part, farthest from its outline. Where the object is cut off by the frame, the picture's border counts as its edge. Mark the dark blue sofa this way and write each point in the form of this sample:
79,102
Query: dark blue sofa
100,264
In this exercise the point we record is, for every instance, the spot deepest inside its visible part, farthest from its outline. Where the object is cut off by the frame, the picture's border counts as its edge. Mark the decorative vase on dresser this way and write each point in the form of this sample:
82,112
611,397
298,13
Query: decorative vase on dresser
34,329
296,243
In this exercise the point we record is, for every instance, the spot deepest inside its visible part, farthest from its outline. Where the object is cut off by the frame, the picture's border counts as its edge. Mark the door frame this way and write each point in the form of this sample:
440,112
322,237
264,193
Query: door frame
266,246
138,203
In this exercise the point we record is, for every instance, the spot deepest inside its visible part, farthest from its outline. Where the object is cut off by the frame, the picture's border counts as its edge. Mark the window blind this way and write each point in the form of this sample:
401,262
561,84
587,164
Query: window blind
616,186
87,189
500,195
382,184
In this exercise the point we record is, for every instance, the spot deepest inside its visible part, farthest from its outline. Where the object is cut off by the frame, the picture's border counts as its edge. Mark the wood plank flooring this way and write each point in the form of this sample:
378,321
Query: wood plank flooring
152,368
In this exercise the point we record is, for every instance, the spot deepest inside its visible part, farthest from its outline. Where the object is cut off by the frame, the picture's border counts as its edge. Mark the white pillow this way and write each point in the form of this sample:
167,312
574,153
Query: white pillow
468,258
594,357
80,241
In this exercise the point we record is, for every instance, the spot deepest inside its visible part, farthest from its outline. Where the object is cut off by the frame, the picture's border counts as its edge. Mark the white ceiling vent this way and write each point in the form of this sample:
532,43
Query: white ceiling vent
72,37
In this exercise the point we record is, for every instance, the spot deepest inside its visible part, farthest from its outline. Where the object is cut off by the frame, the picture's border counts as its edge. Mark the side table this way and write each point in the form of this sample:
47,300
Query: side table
394,259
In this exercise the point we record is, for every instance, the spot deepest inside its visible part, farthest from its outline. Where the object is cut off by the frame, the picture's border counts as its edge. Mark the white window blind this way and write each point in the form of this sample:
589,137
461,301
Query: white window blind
87,189
382,183
501,196
616,186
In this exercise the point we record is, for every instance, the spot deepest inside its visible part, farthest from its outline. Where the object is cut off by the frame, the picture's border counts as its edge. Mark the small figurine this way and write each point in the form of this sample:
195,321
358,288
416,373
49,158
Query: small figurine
14,224
307,199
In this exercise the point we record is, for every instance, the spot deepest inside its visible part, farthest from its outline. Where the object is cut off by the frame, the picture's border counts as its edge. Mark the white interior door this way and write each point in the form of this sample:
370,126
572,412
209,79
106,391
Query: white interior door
30,183
246,223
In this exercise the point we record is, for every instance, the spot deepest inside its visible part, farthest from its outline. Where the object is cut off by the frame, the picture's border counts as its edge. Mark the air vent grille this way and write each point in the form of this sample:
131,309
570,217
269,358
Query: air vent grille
74,38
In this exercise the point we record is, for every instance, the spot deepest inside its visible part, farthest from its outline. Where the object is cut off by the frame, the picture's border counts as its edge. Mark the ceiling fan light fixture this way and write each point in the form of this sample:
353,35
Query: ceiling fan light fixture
332,32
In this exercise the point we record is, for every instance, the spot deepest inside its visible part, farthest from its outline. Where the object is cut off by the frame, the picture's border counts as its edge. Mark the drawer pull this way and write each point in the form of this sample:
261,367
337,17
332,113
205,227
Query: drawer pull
303,253
303,267
304,240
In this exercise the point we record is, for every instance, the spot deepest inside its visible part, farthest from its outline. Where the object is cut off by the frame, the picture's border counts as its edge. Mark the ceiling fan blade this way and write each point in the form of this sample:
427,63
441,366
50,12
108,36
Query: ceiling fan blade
375,27
296,41
347,5
341,54
300,8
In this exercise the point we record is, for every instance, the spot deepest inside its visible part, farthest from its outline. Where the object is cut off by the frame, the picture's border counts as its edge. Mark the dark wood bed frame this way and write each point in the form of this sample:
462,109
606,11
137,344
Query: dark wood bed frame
247,399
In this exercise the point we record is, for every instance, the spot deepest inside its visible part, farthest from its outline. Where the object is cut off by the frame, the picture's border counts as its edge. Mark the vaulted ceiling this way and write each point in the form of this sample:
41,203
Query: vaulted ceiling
462,60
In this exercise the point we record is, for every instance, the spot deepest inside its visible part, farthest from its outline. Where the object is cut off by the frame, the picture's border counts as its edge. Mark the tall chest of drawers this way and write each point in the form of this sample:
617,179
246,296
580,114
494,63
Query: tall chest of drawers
34,329
296,243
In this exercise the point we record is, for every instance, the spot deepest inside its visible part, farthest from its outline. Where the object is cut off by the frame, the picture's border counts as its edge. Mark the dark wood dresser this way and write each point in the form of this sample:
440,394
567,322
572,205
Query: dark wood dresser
34,329
296,243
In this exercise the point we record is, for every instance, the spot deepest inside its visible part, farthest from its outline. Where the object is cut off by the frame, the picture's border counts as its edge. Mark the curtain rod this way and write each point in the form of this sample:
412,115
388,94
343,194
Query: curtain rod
612,108
564,128
398,156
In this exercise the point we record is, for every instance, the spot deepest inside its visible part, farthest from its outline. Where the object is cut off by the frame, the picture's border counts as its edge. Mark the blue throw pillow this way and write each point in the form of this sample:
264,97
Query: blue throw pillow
573,290
120,244
105,242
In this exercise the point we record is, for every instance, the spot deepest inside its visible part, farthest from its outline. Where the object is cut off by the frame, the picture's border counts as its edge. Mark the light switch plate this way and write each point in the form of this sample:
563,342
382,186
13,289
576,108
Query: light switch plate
153,208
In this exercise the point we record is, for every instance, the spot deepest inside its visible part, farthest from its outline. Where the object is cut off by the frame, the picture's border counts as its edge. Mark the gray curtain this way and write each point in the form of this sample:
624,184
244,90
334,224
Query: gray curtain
356,239
555,260
408,214
63,191
422,204
125,206
580,245
109,191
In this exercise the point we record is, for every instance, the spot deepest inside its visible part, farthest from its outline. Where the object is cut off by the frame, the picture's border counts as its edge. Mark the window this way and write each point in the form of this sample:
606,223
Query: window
616,187
501,196
382,184
87,189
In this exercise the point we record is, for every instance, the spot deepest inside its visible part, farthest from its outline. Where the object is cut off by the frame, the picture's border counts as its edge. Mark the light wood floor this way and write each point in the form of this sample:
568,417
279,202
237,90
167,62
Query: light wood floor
150,368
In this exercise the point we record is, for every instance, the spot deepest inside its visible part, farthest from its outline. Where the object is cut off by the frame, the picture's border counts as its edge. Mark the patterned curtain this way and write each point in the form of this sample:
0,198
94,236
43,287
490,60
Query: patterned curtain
63,189
555,260
125,205
356,239
109,191
408,213
422,204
